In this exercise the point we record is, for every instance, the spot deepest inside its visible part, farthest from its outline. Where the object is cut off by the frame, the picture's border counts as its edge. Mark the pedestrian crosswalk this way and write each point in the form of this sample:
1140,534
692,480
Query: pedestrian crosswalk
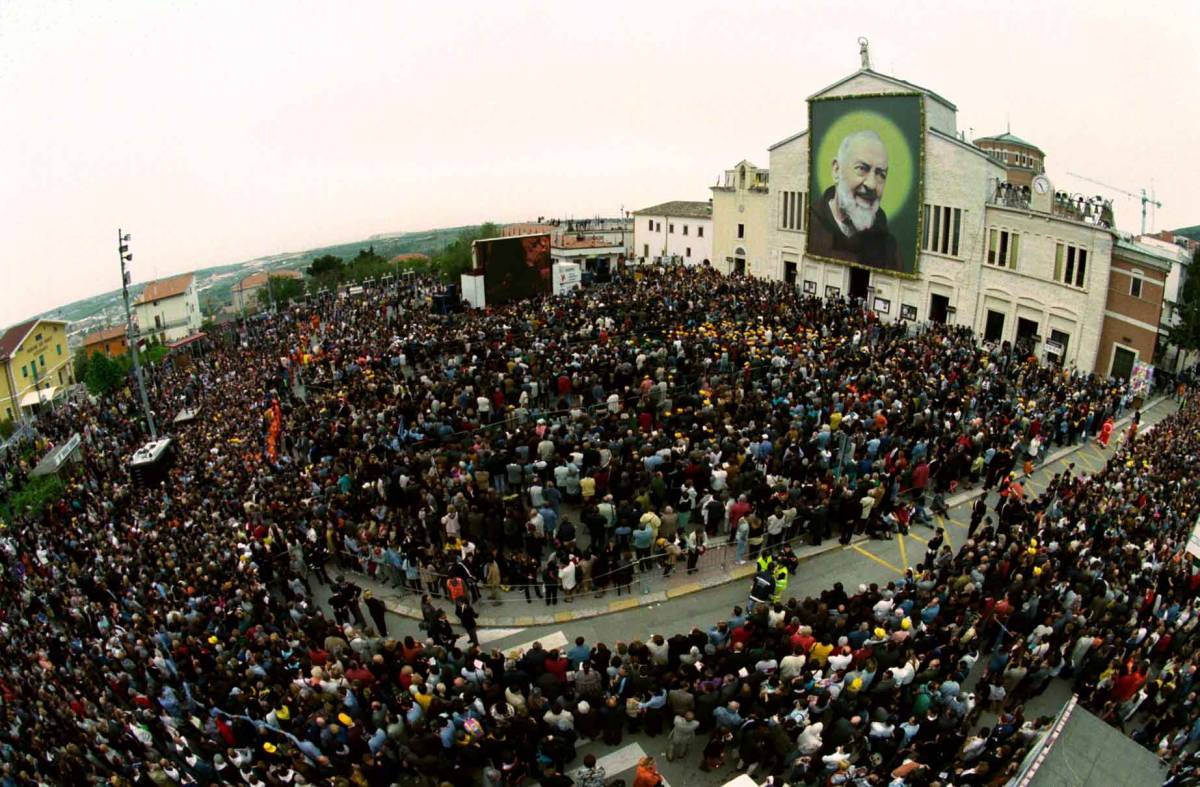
488,635
555,639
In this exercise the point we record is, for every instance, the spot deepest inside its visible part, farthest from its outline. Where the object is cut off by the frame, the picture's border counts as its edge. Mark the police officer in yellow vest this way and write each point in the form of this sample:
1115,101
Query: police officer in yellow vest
781,582
765,561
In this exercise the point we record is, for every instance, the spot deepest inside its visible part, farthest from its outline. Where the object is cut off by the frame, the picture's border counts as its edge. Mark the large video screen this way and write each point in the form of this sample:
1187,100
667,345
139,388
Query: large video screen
514,268
865,180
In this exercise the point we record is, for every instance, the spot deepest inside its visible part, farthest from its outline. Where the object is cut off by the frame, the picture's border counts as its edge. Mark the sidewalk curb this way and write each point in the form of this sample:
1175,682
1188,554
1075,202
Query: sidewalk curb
734,574
621,604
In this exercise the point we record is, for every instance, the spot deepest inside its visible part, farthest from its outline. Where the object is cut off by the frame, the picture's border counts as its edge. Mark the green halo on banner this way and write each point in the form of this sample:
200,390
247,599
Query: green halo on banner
901,171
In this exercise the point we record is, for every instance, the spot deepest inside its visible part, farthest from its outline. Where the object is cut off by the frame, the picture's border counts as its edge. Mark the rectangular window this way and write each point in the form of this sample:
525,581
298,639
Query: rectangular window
793,213
941,229
688,252
1135,286
685,229
1002,248
58,349
741,230
1070,265
651,223
670,228
699,232
645,249
24,371
42,360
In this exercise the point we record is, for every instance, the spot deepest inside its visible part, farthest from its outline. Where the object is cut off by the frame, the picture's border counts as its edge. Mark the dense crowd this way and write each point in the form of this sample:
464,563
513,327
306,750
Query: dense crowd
169,634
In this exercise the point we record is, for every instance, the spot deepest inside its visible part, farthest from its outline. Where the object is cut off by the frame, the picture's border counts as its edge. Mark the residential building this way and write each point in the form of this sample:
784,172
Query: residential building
678,231
112,342
1137,281
245,292
1182,250
35,366
998,248
741,212
168,309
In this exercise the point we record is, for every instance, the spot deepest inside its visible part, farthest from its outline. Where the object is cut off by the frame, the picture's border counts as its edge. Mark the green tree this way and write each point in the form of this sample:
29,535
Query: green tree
367,265
81,362
103,374
327,270
282,289
456,259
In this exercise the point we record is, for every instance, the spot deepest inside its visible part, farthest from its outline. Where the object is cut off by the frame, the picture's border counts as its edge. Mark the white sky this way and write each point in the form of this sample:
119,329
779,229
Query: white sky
221,131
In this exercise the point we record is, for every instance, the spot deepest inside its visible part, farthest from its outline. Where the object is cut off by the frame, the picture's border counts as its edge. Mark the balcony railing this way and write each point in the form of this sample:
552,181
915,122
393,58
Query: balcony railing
1072,207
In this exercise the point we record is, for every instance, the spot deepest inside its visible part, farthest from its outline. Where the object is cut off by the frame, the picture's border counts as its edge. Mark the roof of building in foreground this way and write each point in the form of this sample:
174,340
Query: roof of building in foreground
886,78
104,335
165,288
680,208
15,335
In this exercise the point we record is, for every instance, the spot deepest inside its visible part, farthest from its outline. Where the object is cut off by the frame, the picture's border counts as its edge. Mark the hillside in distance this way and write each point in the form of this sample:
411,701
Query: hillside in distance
215,283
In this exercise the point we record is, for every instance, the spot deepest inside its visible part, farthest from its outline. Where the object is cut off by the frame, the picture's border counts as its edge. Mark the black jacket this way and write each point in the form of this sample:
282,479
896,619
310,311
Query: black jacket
875,247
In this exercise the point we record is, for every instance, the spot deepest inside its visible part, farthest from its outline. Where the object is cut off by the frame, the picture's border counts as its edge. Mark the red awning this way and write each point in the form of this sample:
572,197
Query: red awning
185,341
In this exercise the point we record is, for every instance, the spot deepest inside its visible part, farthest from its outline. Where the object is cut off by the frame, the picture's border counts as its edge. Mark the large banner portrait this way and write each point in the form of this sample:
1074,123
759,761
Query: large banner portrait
865,161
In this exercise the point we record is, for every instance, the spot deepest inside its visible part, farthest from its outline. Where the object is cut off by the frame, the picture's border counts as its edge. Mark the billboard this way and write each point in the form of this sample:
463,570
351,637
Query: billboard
865,161
514,267
567,276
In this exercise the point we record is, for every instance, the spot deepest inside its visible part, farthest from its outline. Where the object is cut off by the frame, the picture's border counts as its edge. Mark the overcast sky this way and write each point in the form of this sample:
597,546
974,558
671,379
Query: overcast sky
221,131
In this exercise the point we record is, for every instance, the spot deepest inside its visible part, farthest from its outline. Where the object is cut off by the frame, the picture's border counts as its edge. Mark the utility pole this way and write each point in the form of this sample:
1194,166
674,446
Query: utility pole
131,337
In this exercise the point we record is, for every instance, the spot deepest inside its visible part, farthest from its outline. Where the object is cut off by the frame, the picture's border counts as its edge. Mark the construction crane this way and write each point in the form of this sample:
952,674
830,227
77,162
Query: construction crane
1147,199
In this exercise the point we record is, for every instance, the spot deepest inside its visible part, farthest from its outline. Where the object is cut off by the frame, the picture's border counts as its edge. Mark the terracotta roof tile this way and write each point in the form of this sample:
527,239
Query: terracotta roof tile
165,288
104,335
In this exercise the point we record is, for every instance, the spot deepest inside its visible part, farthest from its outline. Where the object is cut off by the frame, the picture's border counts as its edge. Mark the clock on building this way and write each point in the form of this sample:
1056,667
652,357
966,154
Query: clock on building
1041,184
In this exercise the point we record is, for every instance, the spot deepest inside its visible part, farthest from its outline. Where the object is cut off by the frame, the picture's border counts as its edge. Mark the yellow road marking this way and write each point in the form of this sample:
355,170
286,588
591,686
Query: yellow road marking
942,522
683,590
914,535
877,559
903,551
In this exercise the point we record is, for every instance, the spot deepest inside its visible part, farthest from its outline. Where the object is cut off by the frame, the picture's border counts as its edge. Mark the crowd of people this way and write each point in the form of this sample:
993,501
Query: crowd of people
169,634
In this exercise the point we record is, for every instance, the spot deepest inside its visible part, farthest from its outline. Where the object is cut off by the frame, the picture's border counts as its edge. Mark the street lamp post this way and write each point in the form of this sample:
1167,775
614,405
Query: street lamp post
131,337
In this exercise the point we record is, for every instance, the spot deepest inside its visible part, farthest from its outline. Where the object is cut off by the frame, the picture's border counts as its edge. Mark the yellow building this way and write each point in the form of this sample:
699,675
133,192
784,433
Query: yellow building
35,366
